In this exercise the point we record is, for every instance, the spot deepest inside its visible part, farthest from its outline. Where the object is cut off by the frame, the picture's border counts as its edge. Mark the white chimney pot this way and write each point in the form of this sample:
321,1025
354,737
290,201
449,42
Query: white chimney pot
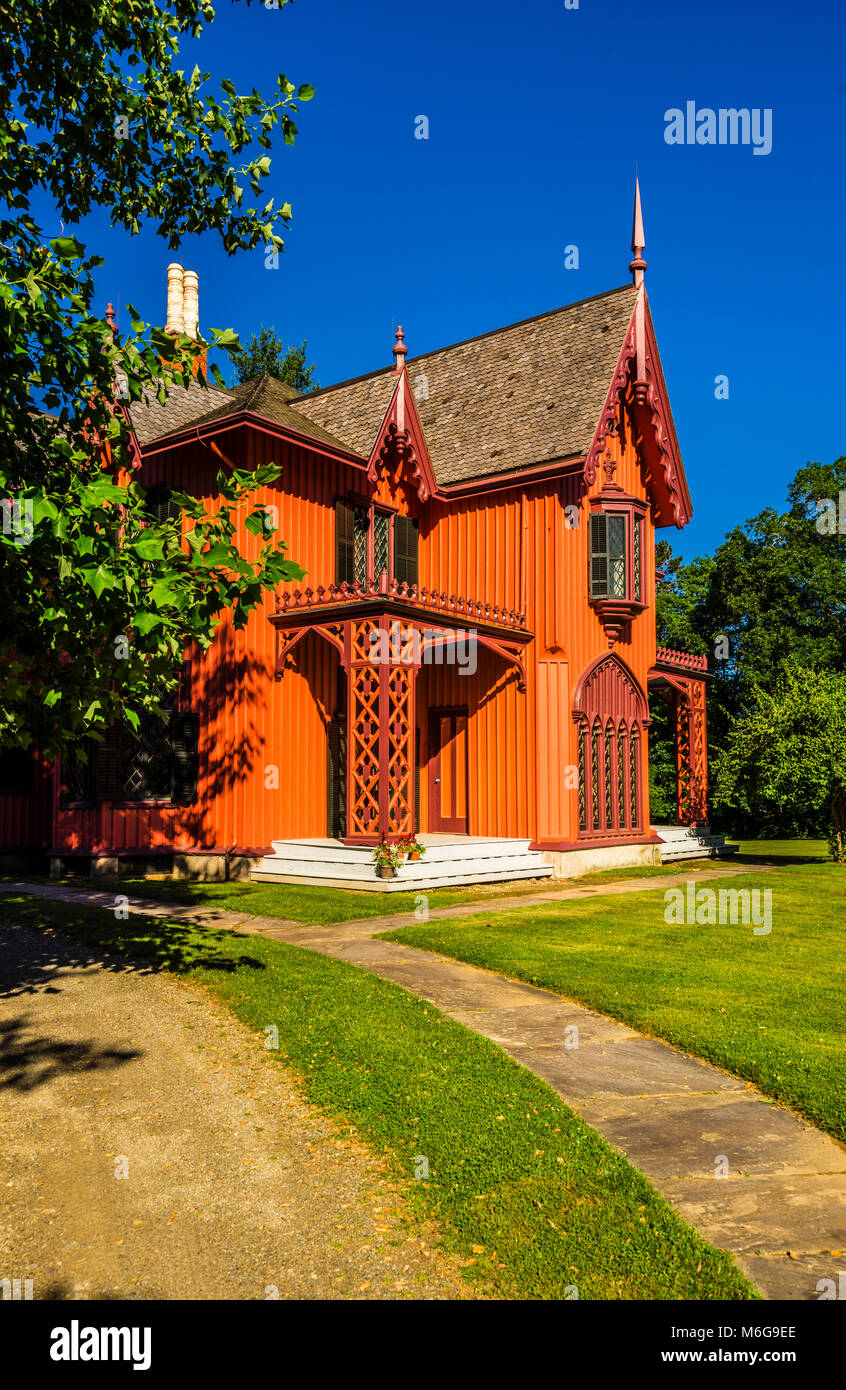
175,311
191,304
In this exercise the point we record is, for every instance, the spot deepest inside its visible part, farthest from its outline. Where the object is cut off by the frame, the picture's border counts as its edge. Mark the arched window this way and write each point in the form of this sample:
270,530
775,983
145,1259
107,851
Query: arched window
611,713
583,761
622,772
594,774
634,779
609,773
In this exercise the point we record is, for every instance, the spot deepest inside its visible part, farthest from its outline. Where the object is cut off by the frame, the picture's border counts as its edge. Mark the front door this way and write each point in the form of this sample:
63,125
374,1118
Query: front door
448,770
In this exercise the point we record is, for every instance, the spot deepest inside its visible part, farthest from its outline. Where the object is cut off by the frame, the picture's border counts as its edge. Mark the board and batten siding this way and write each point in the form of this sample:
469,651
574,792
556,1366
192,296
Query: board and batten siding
263,742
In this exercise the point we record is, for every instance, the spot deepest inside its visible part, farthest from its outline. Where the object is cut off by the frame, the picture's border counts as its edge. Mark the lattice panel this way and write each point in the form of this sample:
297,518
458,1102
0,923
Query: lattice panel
698,780
400,718
362,647
381,731
683,760
364,751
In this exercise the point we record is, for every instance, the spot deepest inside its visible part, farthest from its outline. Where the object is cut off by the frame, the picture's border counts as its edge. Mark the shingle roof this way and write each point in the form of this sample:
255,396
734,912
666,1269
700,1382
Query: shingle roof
517,397
183,406
510,399
194,406
354,410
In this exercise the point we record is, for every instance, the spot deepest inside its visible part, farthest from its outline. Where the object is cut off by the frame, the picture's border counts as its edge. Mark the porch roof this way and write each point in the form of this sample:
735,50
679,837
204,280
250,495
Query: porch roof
671,663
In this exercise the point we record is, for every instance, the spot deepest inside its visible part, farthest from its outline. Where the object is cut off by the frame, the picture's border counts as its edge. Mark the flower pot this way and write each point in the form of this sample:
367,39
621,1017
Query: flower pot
415,854
385,871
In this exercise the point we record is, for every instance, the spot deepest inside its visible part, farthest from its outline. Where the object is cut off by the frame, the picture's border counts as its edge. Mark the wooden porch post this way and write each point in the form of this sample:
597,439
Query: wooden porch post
698,753
691,753
381,675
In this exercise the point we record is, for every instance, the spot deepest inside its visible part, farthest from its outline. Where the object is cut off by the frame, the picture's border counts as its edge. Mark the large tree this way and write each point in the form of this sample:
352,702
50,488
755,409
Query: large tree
785,759
101,598
772,596
774,592
266,352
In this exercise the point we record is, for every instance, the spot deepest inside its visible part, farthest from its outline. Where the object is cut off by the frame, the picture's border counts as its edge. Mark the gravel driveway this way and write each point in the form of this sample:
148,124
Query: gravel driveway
235,1187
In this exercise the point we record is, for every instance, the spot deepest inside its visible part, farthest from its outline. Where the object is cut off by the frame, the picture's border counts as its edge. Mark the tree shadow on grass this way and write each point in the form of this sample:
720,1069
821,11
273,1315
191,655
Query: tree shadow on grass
35,961
45,944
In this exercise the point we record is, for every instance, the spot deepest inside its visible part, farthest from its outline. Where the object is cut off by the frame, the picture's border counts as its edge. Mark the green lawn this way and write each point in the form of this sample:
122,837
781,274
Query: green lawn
769,1008
301,903
776,851
533,1199
318,906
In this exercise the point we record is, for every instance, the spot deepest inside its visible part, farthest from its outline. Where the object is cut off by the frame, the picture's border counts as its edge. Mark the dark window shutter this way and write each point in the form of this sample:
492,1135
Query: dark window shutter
185,744
79,765
107,778
406,536
336,777
336,764
159,503
344,563
598,556
16,771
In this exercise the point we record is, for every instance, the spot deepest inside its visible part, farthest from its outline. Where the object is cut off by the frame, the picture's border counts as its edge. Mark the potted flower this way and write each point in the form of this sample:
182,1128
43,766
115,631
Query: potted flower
388,858
411,847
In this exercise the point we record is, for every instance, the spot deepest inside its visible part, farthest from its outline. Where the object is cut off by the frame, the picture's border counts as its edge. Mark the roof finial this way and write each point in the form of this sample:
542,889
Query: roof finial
399,350
110,317
638,265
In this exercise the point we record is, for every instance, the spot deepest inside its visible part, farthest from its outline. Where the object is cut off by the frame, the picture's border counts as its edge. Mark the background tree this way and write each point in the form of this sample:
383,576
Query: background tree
266,352
772,596
97,114
785,759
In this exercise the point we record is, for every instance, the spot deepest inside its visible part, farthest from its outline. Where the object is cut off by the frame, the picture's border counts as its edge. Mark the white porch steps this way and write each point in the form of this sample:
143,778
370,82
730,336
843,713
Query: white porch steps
682,842
449,860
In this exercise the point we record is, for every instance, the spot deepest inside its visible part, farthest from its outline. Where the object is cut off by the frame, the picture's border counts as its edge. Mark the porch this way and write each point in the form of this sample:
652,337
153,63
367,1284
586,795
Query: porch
680,679
413,667
449,861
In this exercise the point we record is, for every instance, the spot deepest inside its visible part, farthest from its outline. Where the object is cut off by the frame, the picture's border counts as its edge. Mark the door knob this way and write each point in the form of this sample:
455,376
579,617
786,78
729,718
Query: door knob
437,779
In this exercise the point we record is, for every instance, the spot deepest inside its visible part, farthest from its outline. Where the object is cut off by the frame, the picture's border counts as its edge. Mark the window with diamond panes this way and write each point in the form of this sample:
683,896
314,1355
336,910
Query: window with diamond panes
360,529
607,555
145,760
381,544
370,542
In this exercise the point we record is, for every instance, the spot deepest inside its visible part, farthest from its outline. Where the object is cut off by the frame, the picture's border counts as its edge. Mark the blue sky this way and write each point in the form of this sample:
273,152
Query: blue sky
537,115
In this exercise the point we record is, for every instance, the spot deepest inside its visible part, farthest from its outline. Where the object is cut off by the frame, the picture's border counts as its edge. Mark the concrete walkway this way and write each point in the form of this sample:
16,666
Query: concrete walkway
751,1176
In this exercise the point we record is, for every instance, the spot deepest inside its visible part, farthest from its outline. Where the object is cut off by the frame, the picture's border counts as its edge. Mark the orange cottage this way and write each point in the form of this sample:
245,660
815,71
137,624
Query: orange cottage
470,653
